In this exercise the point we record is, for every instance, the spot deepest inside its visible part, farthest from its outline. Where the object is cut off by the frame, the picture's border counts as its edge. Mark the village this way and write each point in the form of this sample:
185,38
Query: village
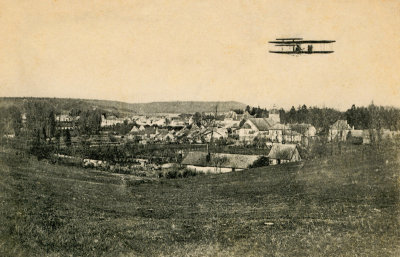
207,142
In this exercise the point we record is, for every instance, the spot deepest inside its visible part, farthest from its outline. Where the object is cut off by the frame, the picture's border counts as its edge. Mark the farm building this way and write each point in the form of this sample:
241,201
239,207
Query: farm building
218,162
358,136
338,131
282,153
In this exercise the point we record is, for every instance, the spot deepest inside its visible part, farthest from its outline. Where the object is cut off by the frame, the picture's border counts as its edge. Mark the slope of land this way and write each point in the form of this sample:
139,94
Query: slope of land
347,206
140,108
187,107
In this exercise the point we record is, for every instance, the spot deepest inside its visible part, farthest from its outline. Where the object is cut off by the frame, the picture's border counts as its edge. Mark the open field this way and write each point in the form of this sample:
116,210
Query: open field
345,206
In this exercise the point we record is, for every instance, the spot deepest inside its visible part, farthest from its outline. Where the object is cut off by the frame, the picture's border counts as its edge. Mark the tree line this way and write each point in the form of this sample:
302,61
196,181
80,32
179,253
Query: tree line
320,118
35,121
373,117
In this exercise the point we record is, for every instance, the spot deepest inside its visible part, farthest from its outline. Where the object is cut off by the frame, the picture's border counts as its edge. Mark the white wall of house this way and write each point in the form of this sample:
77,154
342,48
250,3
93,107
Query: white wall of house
311,132
275,161
110,122
246,134
293,138
210,169
276,135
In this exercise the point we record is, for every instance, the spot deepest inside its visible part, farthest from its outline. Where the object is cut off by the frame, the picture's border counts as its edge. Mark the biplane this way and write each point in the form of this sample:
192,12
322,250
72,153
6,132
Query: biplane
300,46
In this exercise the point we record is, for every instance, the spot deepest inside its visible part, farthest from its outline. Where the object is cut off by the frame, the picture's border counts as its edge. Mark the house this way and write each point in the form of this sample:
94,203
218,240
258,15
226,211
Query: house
63,118
339,130
228,123
165,135
160,122
23,118
238,117
231,115
7,130
292,136
110,121
194,135
65,121
141,120
143,135
358,136
254,127
306,130
371,135
277,132
170,137
160,134
215,133
282,153
134,129
182,133
177,123
218,162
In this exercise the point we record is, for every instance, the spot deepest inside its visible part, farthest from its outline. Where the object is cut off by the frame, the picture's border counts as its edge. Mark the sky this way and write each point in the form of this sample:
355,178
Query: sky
205,50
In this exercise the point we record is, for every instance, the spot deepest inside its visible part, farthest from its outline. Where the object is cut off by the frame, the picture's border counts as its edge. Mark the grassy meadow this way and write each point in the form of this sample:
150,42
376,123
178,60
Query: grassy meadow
343,206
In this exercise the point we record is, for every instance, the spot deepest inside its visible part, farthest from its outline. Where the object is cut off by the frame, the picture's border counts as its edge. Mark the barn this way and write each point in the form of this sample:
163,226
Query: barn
282,153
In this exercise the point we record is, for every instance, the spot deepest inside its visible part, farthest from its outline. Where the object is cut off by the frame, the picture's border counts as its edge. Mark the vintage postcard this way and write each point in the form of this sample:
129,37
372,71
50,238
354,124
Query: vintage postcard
199,128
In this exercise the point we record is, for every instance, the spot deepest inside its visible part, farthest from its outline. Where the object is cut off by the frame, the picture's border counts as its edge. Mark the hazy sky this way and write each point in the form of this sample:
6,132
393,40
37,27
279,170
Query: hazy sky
141,51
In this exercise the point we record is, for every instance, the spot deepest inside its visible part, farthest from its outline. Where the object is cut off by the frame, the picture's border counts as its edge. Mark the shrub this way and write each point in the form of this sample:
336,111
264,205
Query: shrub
188,173
41,150
260,162
177,173
171,174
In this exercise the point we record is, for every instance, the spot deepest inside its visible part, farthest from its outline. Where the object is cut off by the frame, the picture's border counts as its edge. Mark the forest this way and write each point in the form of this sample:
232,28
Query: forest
359,117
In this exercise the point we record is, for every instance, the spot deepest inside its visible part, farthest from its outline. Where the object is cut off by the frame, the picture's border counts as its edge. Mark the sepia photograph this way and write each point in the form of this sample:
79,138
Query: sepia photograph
199,128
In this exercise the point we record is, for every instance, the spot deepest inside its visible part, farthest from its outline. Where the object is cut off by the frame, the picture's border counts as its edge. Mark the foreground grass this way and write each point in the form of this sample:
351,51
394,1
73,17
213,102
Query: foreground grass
345,206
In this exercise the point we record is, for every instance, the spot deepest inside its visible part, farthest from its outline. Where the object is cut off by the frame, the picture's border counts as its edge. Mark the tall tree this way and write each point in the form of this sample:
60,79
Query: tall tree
16,119
68,138
197,118
292,115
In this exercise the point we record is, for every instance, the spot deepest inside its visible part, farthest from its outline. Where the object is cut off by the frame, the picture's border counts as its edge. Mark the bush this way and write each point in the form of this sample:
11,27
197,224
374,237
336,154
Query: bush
188,173
177,173
260,162
171,174
41,150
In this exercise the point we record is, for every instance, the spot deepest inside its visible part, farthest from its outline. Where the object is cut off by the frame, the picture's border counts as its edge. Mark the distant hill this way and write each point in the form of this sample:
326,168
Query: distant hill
186,107
140,108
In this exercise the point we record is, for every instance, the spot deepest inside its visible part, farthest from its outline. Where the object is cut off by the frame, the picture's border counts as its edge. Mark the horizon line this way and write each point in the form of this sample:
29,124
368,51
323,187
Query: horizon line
201,101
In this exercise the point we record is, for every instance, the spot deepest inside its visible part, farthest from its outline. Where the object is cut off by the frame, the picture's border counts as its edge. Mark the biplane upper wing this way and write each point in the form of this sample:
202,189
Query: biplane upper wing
290,38
297,42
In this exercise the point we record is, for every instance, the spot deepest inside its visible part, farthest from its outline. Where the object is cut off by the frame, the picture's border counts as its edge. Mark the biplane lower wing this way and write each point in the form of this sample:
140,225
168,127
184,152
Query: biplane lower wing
301,52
